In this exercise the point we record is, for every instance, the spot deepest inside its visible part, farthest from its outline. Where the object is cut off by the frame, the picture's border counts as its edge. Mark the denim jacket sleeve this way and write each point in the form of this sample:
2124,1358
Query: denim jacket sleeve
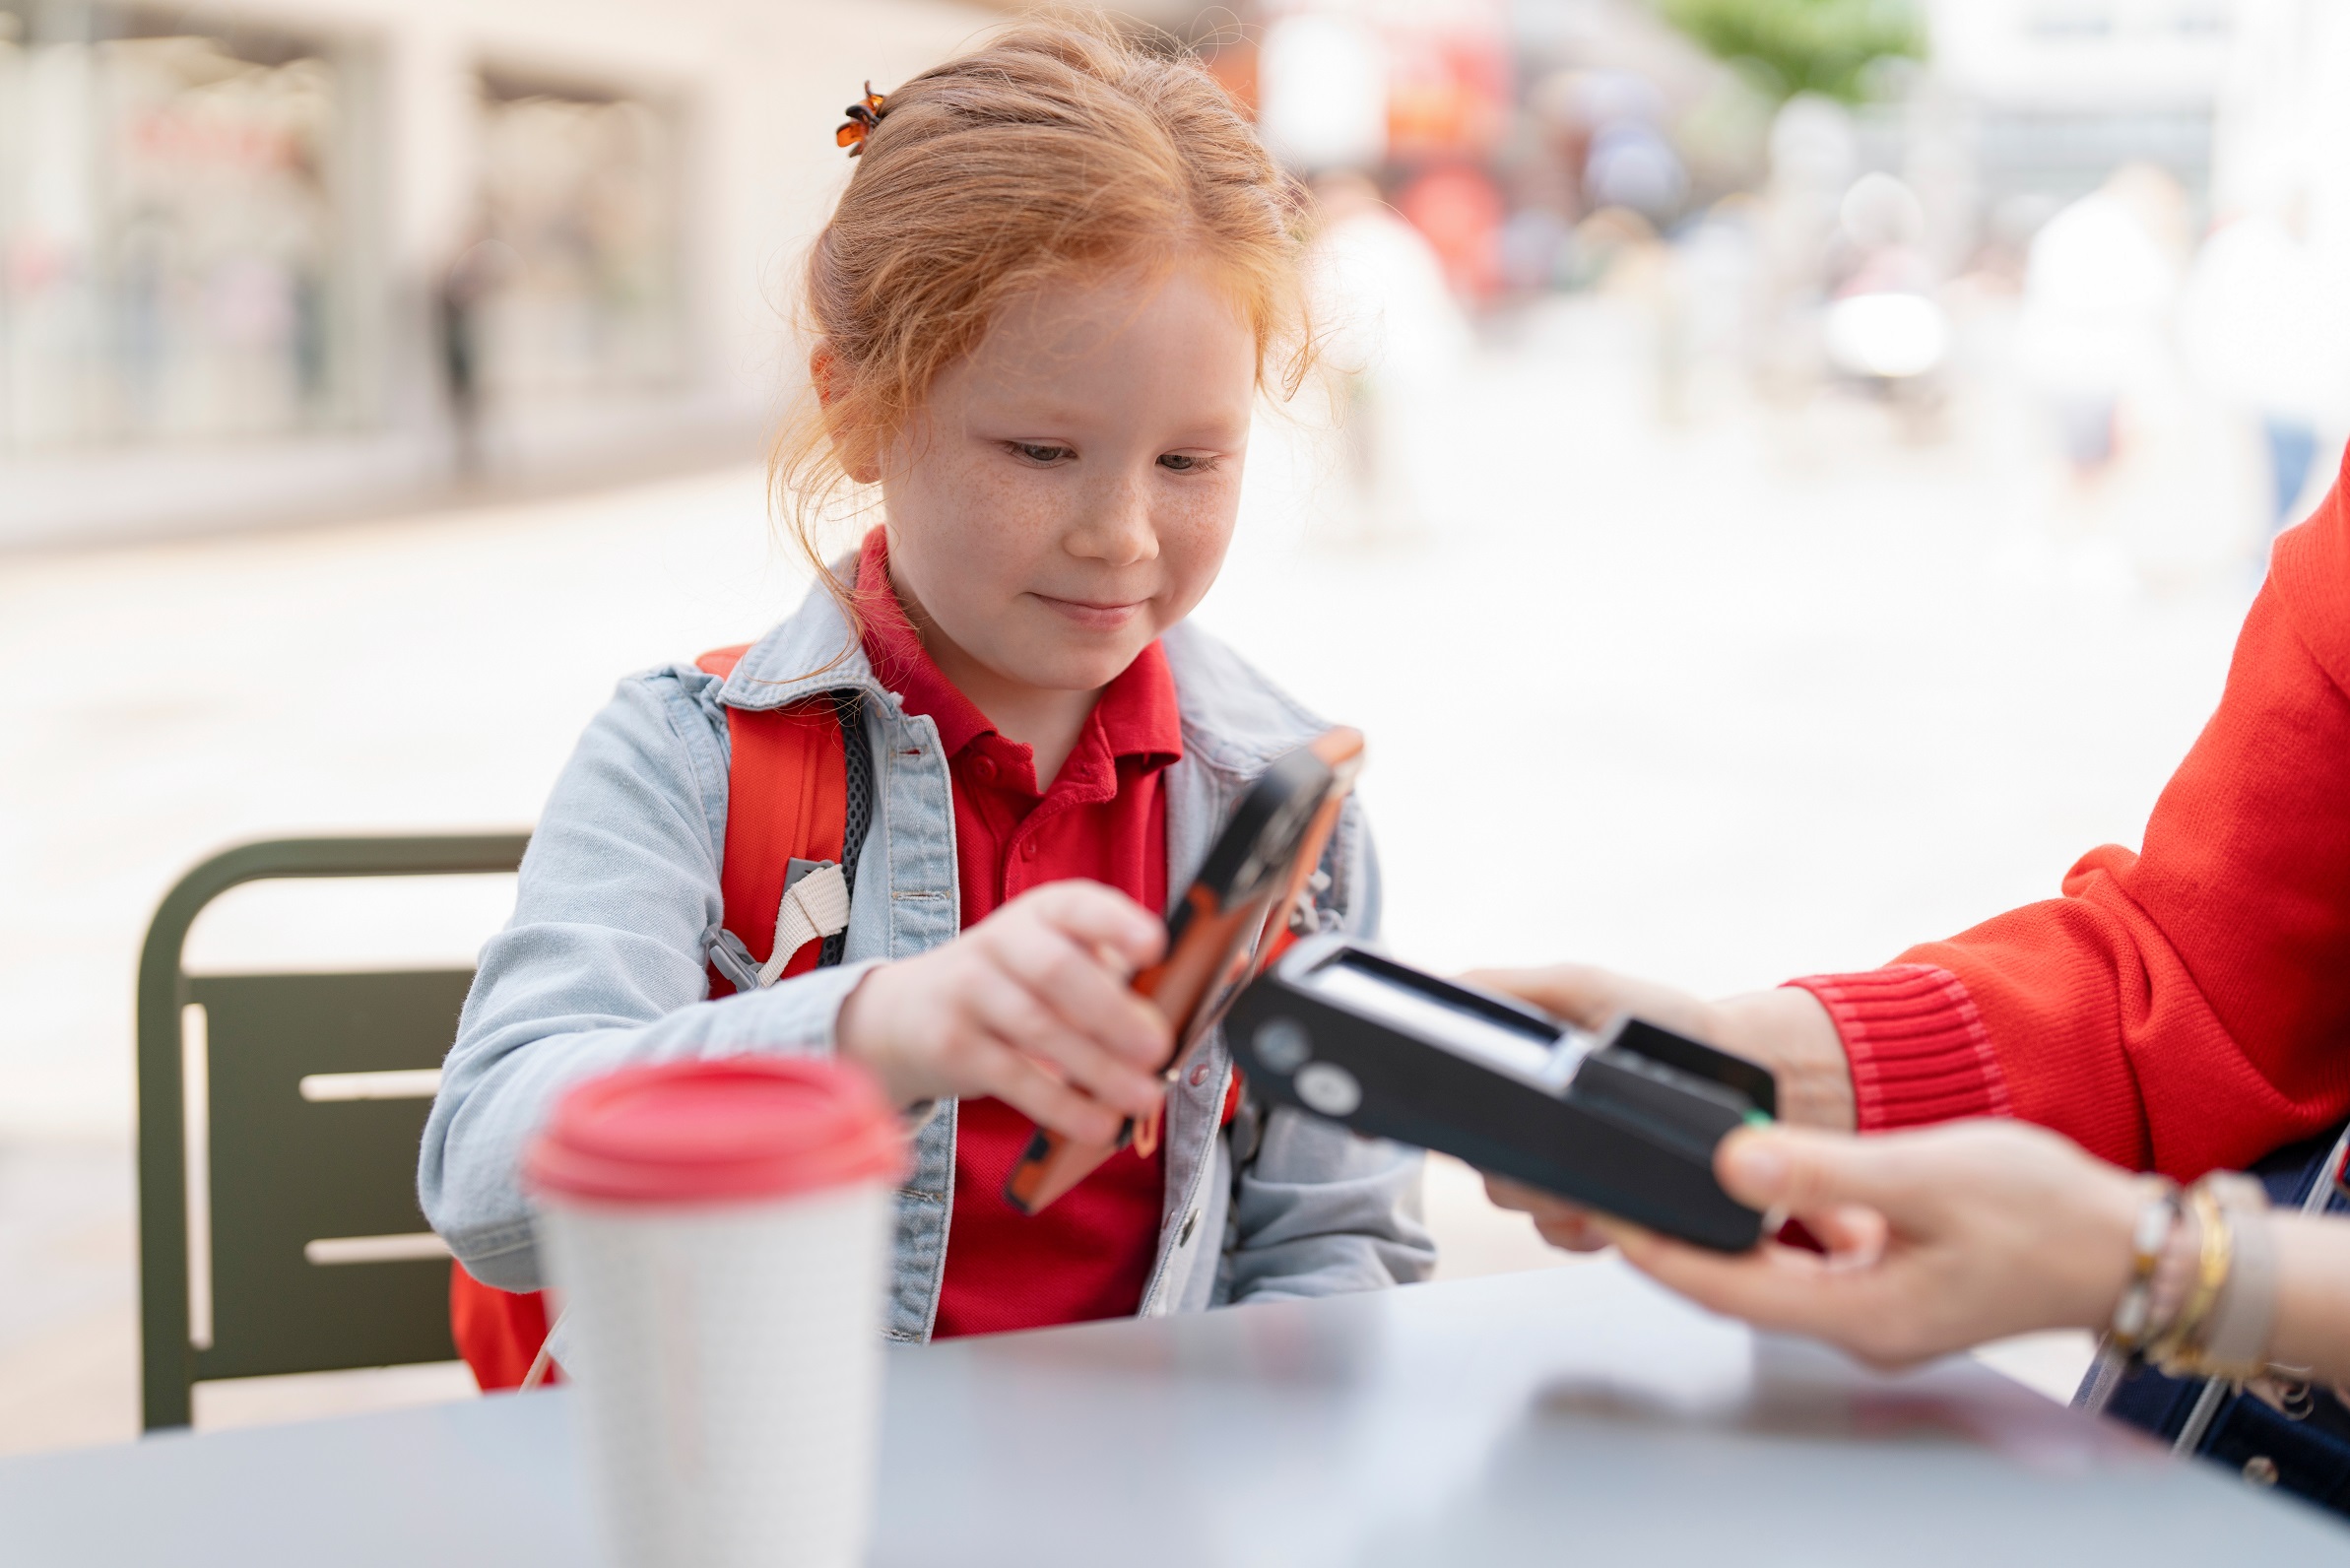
1318,1210
602,964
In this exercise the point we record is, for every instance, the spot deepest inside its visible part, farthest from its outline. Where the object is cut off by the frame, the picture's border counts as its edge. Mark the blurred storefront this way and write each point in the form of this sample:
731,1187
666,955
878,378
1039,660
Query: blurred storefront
179,261
318,255
2062,90
579,220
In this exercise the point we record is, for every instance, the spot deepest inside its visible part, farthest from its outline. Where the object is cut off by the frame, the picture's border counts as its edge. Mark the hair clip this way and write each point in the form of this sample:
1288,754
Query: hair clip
864,115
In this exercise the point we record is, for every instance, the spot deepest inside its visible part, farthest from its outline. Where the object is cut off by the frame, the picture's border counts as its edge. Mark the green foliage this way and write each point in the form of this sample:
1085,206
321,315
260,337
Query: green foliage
1789,47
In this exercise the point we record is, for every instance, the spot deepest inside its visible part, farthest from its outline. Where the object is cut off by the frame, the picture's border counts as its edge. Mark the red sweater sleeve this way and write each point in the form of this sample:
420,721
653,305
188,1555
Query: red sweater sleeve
2185,1008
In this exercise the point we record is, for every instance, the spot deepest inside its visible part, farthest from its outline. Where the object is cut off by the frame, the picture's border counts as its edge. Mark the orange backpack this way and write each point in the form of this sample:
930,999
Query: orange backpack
787,799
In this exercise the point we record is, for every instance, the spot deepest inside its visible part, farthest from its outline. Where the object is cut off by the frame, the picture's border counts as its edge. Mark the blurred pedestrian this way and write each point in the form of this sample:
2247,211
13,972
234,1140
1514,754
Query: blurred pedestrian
2265,331
459,303
1883,323
1460,210
1395,342
2100,290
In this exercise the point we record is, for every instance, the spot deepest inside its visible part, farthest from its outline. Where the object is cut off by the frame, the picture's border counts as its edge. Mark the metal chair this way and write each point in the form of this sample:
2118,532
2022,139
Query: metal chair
316,1089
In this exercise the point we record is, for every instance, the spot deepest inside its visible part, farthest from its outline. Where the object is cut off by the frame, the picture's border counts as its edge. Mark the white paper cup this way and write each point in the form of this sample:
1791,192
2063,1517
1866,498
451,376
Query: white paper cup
719,1232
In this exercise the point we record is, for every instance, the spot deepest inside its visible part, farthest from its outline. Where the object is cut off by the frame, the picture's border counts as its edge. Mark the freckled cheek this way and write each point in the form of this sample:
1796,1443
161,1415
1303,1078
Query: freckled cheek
1194,528
992,522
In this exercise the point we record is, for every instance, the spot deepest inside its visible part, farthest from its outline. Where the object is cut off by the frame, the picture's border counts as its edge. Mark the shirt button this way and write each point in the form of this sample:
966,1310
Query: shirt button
983,768
1198,1074
1028,849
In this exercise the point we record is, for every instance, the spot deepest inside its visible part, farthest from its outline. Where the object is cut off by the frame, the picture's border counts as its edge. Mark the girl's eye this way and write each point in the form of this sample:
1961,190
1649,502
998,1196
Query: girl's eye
1038,453
1184,463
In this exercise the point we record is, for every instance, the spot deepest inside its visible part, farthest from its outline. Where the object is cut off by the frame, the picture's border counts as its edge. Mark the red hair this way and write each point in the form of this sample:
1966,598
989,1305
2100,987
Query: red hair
1052,151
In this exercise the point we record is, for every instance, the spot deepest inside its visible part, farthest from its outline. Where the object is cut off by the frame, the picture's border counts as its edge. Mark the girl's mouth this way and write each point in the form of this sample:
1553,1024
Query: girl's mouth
1090,616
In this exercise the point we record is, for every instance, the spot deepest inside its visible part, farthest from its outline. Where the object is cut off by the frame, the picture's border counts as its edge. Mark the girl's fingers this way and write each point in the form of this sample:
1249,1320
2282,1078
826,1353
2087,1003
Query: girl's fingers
1016,1080
1095,916
1088,999
1012,1012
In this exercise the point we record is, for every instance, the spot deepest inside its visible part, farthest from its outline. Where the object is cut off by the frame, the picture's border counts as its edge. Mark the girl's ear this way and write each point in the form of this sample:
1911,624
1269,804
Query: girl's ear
854,456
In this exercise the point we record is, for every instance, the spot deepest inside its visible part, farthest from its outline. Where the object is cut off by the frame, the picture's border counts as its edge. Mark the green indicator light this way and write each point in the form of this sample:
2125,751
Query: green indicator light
1758,1118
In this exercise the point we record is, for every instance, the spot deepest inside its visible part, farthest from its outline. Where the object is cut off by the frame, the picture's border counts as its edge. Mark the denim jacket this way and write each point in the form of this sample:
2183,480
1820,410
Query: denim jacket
604,964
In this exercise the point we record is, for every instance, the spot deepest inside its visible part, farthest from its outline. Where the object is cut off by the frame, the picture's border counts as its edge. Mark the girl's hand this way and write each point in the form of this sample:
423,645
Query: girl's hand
1031,1006
1938,1240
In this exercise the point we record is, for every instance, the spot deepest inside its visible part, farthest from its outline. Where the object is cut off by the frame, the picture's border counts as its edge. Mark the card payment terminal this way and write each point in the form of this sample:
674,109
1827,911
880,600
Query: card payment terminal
1624,1121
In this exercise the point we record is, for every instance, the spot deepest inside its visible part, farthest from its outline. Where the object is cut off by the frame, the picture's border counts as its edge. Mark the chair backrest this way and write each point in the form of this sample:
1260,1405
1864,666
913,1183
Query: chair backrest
314,1094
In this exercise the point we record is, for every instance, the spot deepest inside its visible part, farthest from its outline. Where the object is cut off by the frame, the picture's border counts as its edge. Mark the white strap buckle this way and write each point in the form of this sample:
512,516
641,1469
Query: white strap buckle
815,904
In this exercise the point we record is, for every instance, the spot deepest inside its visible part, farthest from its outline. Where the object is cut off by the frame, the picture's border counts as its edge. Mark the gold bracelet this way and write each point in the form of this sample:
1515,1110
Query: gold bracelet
2233,1340
2177,1350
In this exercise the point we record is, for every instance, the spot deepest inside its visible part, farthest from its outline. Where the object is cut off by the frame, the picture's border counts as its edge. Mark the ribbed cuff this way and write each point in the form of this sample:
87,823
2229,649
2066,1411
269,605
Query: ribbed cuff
1918,1047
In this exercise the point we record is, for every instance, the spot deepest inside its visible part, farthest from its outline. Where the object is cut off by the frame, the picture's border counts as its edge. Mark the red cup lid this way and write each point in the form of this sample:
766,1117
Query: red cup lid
730,1129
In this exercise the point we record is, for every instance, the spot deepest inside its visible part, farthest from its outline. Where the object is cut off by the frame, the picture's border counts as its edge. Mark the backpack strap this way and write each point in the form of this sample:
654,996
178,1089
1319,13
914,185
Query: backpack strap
786,818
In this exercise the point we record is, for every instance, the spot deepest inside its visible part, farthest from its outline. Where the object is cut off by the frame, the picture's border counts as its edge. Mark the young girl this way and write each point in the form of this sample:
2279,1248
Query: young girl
1043,309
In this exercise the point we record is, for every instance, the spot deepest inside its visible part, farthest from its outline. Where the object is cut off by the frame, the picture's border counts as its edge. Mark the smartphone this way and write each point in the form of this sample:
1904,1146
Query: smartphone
1237,916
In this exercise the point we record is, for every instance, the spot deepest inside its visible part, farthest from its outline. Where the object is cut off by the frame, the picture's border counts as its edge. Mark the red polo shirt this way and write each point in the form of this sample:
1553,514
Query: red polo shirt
1104,817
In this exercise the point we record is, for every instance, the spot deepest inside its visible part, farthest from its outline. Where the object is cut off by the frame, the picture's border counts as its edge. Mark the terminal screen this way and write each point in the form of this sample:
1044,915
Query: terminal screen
1526,1050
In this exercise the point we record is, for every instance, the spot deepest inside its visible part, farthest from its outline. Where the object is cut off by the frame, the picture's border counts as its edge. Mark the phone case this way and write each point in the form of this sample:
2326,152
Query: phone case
1235,918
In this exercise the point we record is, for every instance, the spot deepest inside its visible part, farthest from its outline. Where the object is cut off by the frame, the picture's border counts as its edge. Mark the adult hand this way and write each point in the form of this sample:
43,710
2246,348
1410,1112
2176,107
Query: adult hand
1031,1006
1937,1239
1785,1030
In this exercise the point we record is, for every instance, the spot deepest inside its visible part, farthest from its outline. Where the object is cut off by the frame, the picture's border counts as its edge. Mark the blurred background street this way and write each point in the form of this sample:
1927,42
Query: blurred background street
1779,490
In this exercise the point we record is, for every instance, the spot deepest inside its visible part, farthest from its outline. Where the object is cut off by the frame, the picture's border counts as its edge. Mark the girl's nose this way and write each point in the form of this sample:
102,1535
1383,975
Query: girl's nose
1116,528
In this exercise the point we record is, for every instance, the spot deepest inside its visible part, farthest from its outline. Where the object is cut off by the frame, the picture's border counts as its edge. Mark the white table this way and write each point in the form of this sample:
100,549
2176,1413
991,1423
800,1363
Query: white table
1570,1416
